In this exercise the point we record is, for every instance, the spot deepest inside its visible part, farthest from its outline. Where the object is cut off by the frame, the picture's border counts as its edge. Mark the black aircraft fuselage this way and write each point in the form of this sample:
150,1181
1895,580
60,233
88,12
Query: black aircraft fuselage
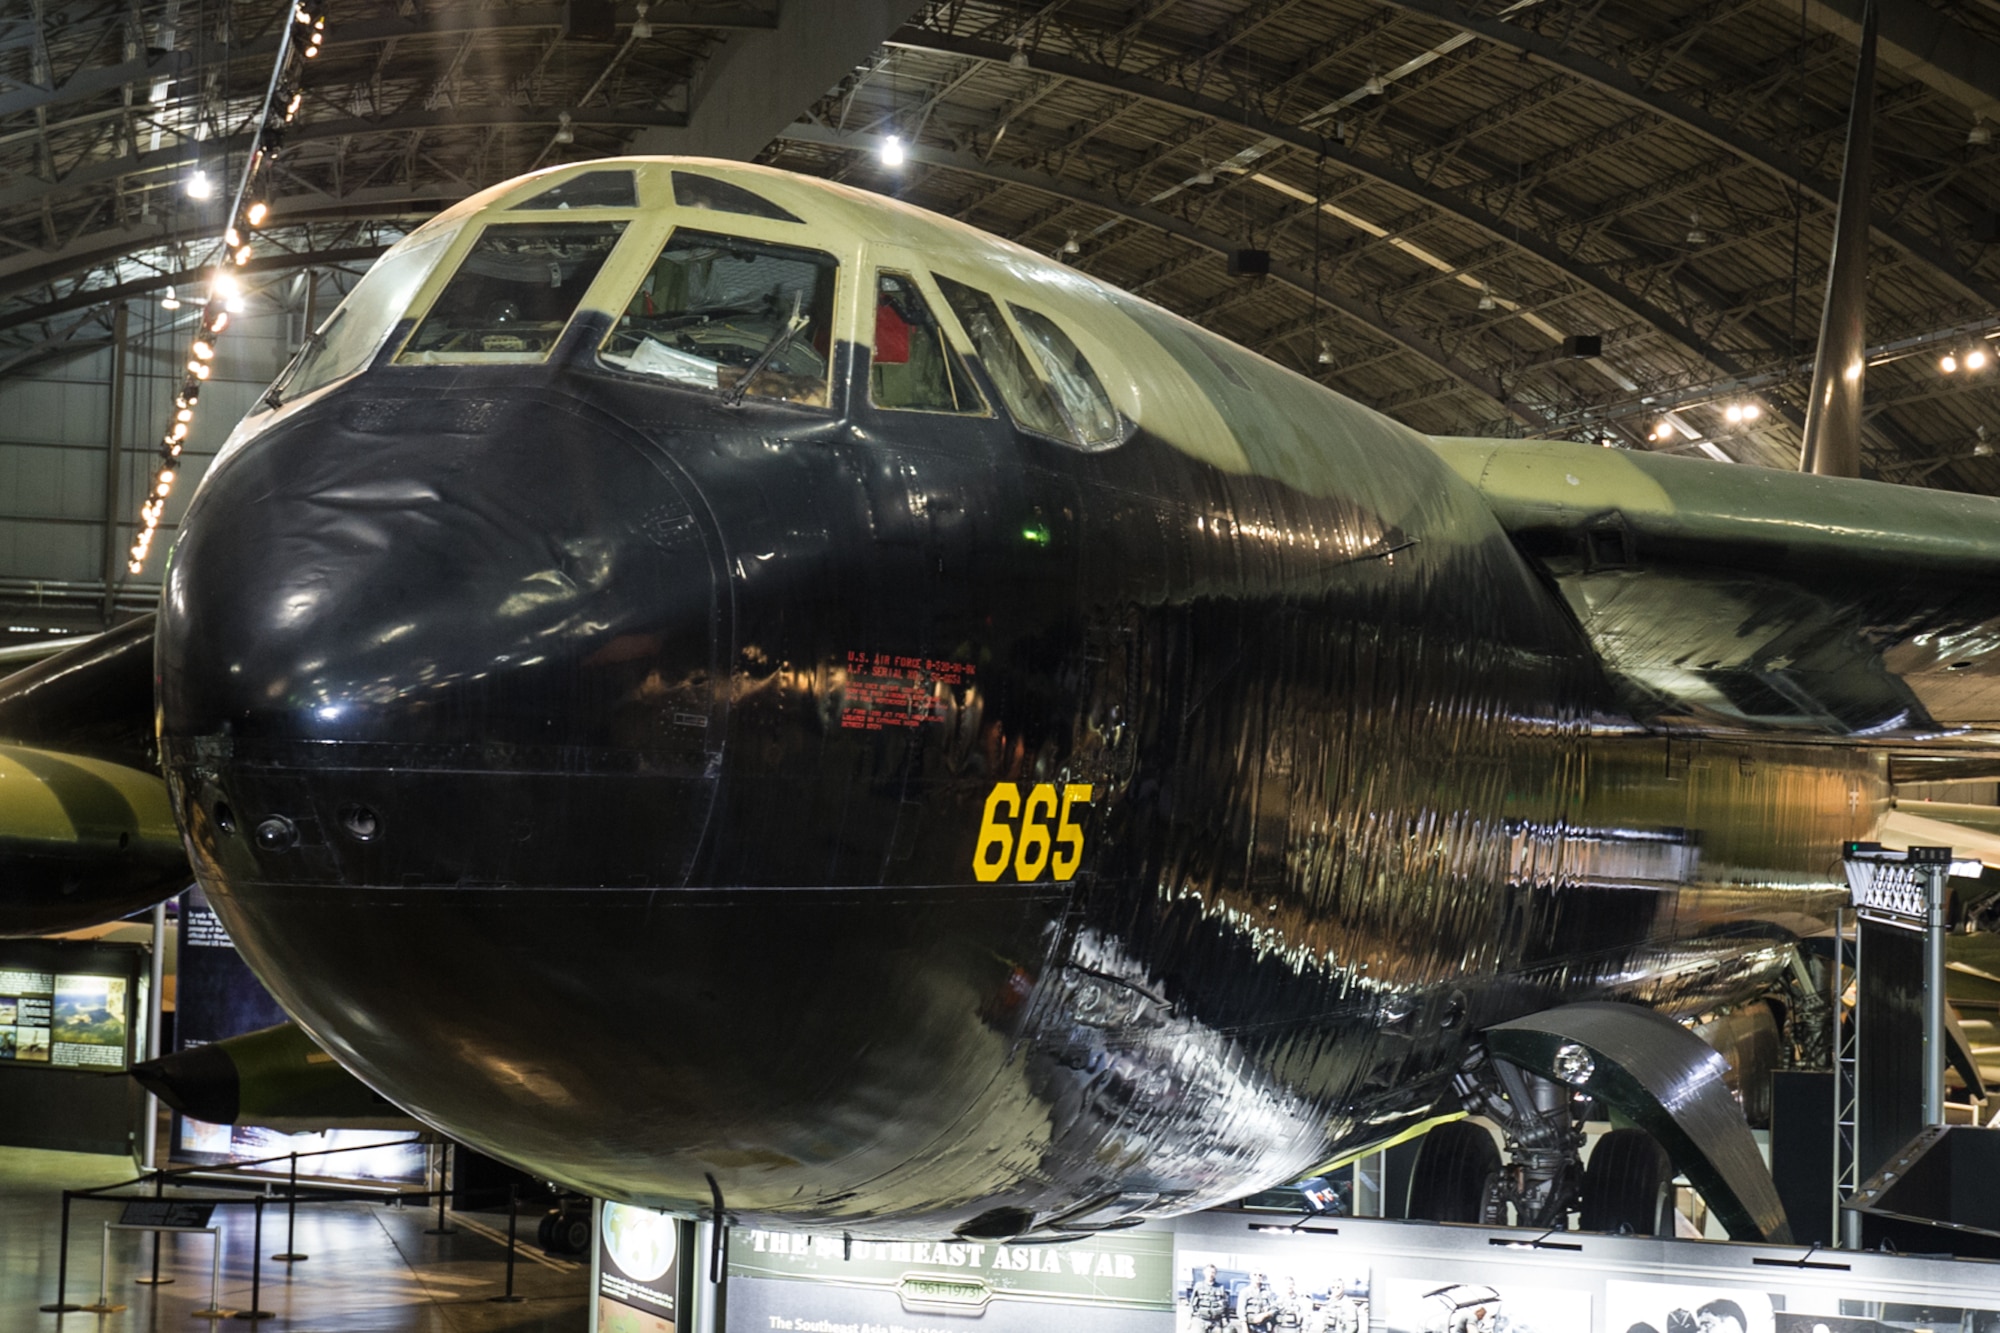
909,821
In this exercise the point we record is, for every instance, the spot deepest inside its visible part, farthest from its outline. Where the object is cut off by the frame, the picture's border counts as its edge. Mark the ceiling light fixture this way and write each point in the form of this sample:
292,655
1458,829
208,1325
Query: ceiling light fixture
199,186
1374,87
893,154
1071,245
1979,135
1486,301
1697,235
1019,60
1976,359
1325,357
1948,363
169,301
642,27
565,133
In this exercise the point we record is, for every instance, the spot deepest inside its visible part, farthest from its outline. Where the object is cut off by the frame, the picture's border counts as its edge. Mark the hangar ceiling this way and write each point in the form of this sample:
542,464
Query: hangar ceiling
1447,193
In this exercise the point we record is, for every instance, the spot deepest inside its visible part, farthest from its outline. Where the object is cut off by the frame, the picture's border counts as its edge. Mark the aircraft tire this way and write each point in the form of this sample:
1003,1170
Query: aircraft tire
573,1233
1628,1186
545,1233
1453,1176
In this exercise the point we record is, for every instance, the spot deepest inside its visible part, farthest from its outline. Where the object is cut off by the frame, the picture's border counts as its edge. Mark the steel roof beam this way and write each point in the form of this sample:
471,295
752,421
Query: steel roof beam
1338,154
448,23
1411,340
1926,44
1630,88
277,262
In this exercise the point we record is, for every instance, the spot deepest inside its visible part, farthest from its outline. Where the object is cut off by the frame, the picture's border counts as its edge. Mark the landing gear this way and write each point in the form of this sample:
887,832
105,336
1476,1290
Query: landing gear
1456,1177
1629,1186
1544,1139
565,1228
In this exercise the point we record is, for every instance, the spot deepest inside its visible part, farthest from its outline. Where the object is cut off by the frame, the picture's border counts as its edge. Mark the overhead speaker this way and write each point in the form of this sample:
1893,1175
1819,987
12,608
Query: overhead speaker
1249,263
590,21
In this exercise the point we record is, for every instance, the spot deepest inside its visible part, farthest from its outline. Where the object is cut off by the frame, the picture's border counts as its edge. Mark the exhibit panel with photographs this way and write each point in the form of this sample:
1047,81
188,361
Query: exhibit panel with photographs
641,1270
1118,1282
1401,1277
1270,1289
65,1020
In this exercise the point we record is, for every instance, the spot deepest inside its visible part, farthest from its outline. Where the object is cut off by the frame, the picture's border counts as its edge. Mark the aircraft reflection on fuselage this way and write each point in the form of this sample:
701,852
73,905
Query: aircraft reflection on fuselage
997,757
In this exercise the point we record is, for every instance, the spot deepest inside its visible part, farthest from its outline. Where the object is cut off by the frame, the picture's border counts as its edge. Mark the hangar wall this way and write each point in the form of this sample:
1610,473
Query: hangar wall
105,403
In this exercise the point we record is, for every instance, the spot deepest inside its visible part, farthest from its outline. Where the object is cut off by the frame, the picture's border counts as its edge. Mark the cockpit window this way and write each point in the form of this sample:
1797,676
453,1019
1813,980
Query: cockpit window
1030,401
913,368
732,315
593,189
348,339
1094,421
513,293
692,191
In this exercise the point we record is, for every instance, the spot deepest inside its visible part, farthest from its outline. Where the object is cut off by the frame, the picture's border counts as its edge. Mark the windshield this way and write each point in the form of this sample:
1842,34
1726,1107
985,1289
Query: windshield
513,293
347,340
736,316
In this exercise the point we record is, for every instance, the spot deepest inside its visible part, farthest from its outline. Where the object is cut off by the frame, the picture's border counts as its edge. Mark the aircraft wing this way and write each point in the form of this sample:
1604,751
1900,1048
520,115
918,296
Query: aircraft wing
86,830
1728,600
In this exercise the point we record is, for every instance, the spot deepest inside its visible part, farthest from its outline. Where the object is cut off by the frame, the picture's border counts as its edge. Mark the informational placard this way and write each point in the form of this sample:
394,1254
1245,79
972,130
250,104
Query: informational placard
794,1282
65,1020
216,995
640,1263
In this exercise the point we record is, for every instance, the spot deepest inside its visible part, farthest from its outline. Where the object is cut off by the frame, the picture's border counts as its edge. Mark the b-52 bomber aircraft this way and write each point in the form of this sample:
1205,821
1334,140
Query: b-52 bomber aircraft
729,691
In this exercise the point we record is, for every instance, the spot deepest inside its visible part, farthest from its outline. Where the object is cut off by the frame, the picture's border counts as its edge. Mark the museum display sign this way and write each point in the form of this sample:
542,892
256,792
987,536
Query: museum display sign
795,1282
641,1270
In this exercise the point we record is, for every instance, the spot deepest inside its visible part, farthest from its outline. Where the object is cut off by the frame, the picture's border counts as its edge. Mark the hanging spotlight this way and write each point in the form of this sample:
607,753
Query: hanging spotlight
257,213
1979,135
1948,363
1734,413
1486,301
1374,87
1203,177
1976,359
642,27
1697,235
564,132
169,301
1019,60
1072,245
199,186
1751,411
1325,357
892,152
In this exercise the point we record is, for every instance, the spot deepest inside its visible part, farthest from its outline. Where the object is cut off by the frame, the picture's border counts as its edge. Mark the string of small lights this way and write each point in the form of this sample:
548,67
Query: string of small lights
301,41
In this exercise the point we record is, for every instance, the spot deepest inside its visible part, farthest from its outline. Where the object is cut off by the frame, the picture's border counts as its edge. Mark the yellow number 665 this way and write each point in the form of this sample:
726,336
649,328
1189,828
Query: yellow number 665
1035,849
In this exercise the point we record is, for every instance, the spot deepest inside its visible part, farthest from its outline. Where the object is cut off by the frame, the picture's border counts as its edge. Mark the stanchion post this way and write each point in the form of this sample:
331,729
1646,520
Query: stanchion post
214,1310
155,1280
61,1304
103,1303
256,1310
513,1216
444,1167
291,1254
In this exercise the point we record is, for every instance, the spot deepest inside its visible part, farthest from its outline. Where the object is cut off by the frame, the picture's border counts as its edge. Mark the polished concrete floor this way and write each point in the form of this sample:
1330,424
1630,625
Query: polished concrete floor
370,1267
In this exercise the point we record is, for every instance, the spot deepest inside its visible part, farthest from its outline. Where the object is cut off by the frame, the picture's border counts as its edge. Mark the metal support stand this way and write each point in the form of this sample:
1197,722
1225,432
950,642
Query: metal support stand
256,1310
1936,877
444,1166
155,1280
291,1254
61,1303
1846,1085
513,1216
103,1304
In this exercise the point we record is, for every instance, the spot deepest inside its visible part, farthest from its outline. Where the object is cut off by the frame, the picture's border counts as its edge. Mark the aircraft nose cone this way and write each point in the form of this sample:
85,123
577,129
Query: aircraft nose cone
385,588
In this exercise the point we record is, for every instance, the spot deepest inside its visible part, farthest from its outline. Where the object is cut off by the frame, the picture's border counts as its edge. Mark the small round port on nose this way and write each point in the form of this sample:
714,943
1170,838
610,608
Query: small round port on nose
277,834
225,818
360,822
